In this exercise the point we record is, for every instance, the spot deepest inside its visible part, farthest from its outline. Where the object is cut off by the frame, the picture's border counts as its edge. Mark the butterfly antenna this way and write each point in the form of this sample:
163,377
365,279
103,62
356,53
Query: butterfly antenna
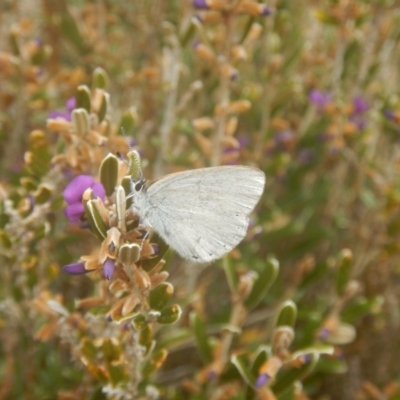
123,131
143,240
134,170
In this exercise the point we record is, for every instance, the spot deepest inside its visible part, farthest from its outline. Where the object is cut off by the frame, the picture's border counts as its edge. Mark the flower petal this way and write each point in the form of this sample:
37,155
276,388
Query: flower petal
74,190
108,268
74,212
60,114
98,190
70,104
262,380
75,268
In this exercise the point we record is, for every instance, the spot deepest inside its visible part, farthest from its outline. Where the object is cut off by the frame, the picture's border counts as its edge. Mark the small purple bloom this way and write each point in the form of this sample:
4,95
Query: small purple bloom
250,224
306,358
200,4
390,114
212,375
283,140
230,150
39,72
357,115
108,268
31,201
360,106
73,194
74,212
305,156
60,114
70,105
320,99
243,141
143,233
283,137
324,333
359,121
38,41
262,380
132,142
155,248
234,75
75,268
266,11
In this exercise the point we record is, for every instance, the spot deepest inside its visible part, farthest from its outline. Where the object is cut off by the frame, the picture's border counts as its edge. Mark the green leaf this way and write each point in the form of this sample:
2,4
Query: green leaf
129,253
155,362
170,315
146,337
80,121
160,296
105,103
139,322
287,314
231,274
83,98
43,193
70,30
260,357
331,365
344,270
202,338
38,158
265,280
97,225
286,378
109,173
241,363
128,122
126,183
100,78
149,264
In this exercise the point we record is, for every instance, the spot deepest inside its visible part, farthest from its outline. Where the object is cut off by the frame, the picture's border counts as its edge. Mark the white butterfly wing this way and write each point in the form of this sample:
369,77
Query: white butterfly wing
203,213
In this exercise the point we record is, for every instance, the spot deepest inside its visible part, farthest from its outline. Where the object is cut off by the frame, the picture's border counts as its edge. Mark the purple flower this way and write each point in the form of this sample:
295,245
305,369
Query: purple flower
324,333
212,374
155,248
283,137
360,106
326,136
38,41
108,268
243,141
60,114
200,4
283,140
306,358
69,105
75,268
73,195
266,11
358,121
320,99
390,114
305,156
262,380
